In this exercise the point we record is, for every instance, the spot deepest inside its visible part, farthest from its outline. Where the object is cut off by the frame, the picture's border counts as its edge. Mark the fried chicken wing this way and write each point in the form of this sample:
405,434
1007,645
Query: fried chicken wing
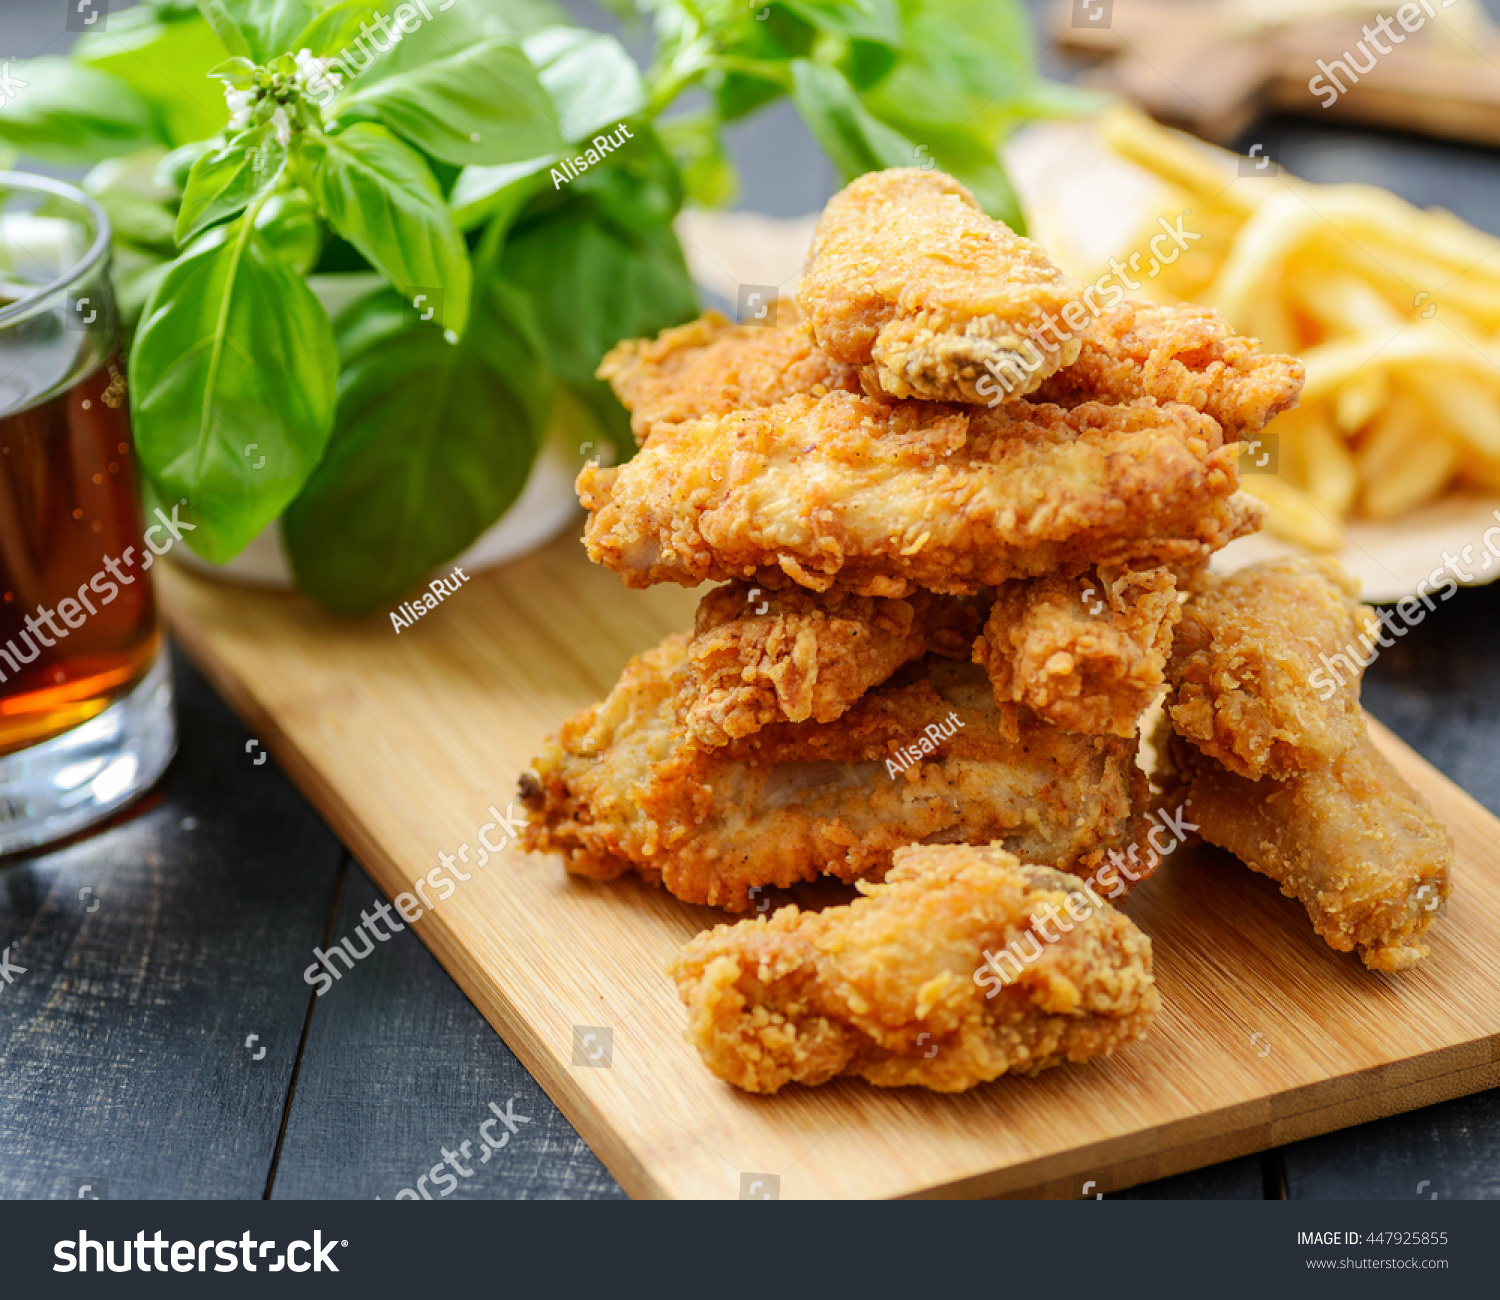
1180,354
1349,839
926,757
711,366
1086,653
762,656
885,499
1258,668
909,280
898,987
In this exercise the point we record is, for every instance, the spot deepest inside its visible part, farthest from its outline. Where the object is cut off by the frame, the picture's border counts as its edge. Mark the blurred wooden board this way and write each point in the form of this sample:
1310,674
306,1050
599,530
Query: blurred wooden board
1196,64
1266,1036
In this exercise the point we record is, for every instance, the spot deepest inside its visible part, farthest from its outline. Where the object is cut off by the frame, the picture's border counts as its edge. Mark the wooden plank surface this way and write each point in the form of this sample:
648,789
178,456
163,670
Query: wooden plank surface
399,1067
404,743
122,1046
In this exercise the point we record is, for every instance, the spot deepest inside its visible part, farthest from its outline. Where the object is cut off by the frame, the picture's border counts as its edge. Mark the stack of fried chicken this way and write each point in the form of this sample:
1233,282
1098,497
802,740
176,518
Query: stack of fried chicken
956,503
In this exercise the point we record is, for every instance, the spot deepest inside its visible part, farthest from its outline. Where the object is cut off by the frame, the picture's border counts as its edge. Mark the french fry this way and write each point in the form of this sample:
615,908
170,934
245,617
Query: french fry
1331,474
1294,515
1358,399
1394,309
1464,405
1415,479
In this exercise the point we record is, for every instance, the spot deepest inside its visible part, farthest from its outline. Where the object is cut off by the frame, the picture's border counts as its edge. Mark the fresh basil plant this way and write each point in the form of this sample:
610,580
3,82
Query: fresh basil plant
248,147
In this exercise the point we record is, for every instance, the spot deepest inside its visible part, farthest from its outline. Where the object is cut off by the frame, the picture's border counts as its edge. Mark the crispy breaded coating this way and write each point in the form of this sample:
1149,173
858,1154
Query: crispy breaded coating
1349,839
908,279
885,499
764,656
1249,671
926,757
1180,354
899,987
712,366
1087,653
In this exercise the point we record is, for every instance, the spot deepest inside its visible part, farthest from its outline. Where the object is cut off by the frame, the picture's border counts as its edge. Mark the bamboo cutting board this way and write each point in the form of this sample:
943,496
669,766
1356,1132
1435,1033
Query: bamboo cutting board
1265,1035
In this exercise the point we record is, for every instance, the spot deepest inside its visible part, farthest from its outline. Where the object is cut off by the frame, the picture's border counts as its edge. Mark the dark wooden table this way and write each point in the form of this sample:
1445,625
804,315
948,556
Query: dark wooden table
161,1041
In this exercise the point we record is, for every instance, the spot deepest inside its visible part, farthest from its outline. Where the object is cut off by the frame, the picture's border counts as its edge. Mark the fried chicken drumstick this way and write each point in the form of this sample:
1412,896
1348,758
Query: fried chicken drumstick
927,757
886,499
891,986
1280,770
1246,668
909,280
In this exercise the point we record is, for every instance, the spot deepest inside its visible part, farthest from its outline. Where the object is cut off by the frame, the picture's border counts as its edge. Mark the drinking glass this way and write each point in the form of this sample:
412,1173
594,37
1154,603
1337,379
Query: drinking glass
86,711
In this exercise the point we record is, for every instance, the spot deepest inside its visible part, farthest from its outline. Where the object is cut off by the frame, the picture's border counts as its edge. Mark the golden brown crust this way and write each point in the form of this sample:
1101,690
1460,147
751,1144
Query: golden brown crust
1086,653
711,366
1350,840
1250,667
1182,354
886,499
926,757
896,986
764,656
910,280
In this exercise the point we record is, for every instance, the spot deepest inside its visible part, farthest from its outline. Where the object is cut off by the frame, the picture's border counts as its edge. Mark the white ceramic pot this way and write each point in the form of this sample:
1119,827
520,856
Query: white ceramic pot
546,506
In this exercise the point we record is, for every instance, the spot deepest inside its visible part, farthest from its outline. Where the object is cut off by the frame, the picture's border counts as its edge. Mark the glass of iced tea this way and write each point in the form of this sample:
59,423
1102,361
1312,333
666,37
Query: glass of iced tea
86,714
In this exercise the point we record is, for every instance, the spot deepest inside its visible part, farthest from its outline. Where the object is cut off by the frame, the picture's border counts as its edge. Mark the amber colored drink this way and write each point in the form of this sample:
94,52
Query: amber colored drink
69,514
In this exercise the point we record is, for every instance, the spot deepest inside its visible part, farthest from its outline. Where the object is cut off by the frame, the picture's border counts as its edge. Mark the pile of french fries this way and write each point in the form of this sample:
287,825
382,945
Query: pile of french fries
1395,310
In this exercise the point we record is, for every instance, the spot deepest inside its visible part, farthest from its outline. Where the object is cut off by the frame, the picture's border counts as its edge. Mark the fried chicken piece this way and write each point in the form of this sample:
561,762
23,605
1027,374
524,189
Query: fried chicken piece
927,757
1086,653
1349,839
899,987
1180,354
908,279
1250,667
761,656
711,366
886,499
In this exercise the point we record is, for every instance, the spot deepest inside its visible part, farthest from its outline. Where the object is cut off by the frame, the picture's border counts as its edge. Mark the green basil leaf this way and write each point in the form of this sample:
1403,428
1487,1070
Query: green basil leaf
380,195
67,112
336,28
496,193
696,144
855,141
233,350
289,229
222,184
593,83
596,272
433,442
226,25
261,29
868,20
483,105
166,58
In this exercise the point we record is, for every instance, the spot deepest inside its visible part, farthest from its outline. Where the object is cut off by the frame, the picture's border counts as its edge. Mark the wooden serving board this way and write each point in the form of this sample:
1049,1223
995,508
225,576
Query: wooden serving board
403,742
